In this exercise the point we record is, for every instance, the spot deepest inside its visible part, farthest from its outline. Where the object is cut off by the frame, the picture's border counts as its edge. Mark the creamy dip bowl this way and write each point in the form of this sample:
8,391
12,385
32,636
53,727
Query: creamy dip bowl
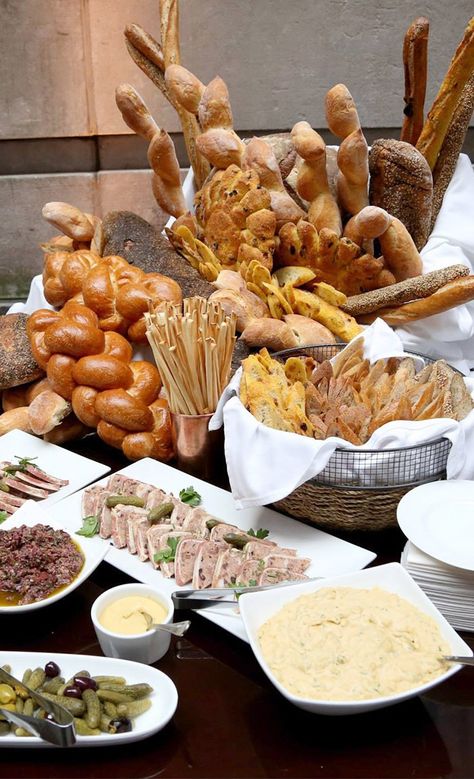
259,607
143,647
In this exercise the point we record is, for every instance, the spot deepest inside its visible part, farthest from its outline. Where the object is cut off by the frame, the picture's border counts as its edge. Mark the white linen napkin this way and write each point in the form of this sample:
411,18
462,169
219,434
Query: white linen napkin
449,335
266,465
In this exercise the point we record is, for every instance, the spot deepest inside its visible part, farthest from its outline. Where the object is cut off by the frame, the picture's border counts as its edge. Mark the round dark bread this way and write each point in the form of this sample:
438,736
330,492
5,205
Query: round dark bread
17,364
401,182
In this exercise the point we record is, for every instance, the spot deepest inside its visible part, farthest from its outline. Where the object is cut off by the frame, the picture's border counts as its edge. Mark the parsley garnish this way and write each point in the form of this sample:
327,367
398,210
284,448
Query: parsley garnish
260,533
90,526
168,554
190,496
3,516
23,463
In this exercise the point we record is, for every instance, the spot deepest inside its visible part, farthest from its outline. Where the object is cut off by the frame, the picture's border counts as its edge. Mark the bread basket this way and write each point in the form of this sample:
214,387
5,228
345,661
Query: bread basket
338,498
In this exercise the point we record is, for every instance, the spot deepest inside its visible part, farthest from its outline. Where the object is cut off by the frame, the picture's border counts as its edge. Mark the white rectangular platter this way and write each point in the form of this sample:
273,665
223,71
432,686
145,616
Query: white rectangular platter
330,556
54,460
164,698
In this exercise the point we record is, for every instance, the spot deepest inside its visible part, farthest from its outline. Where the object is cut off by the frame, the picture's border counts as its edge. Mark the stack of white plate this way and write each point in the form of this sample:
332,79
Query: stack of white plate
438,520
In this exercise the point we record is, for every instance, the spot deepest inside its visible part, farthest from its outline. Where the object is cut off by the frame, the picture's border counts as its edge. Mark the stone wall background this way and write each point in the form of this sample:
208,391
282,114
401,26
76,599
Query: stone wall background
62,137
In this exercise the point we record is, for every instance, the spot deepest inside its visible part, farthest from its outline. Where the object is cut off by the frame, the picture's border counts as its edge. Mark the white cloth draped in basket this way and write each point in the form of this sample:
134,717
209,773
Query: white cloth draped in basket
266,465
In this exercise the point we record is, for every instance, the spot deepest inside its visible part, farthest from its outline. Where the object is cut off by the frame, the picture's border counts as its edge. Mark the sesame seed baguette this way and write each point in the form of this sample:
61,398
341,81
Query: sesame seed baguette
403,291
453,294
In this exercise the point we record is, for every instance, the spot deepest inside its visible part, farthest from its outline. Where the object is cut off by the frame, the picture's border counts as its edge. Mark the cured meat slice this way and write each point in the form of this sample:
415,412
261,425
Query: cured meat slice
133,515
205,564
250,572
119,525
164,543
105,527
228,567
153,535
155,498
277,575
186,553
26,489
195,522
180,512
140,528
93,499
288,563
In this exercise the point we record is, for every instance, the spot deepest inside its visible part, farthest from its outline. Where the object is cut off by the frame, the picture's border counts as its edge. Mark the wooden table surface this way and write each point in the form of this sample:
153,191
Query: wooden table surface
230,721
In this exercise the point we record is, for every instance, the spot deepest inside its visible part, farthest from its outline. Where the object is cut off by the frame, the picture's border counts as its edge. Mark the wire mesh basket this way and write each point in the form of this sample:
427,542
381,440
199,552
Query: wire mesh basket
361,489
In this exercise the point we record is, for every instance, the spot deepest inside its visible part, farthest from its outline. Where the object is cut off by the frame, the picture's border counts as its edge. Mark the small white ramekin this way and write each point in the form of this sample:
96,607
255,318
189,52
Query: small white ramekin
144,647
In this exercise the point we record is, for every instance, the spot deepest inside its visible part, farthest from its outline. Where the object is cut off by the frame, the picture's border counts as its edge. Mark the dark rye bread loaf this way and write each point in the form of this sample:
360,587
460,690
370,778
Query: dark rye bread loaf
402,184
135,239
17,364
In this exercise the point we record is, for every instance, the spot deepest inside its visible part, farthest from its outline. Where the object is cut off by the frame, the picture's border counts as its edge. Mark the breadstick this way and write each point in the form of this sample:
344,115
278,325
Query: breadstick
452,146
312,181
441,112
403,291
415,61
451,295
134,112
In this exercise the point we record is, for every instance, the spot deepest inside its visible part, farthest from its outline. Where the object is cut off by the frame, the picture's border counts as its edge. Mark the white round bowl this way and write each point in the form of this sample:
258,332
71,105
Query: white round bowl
143,647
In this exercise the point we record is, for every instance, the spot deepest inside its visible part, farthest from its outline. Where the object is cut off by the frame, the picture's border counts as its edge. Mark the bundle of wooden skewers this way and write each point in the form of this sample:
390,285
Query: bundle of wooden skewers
193,352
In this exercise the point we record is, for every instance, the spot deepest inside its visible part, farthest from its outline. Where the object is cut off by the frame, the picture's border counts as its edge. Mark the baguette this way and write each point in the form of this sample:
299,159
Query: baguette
399,251
218,143
415,62
185,87
166,181
439,117
134,112
453,294
452,146
403,291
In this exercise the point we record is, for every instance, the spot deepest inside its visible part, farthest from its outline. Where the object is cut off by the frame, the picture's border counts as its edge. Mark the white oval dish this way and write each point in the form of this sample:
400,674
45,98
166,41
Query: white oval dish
256,608
164,698
93,550
438,518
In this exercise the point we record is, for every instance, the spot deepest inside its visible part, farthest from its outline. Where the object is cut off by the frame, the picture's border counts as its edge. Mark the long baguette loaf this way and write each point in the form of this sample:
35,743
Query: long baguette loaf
415,61
403,291
452,146
439,117
451,295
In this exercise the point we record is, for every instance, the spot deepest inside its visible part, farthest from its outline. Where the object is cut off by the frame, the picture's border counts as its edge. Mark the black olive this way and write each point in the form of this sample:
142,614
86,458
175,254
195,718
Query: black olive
120,725
51,669
73,692
85,683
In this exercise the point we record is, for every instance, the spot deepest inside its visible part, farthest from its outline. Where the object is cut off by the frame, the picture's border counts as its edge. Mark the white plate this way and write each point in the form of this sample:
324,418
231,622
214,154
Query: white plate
329,555
92,548
256,608
439,519
54,460
164,698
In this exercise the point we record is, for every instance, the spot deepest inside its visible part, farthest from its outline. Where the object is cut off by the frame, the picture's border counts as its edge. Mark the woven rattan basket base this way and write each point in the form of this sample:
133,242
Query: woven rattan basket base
340,508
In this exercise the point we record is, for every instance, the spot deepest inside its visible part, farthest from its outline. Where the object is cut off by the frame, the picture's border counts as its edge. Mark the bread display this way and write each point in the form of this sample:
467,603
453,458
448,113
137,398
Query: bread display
349,397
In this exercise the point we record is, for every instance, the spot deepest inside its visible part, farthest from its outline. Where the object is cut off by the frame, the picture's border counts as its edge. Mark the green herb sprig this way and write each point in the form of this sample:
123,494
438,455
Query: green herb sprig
190,496
168,554
261,533
90,526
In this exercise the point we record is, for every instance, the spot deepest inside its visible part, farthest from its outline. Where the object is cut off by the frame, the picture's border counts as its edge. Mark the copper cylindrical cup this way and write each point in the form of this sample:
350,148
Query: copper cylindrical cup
199,451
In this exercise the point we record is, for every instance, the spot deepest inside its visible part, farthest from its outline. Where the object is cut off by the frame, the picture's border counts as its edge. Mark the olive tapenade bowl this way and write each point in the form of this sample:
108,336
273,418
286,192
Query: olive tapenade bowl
93,551
257,608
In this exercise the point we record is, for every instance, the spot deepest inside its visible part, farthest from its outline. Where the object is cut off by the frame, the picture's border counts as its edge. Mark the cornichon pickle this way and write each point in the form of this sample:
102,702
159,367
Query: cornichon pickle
36,679
54,685
104,723
110,708
236,540
93,712
210,523
158,513
26,676
124,500
19,705
76,706
110,680
83,729
112,695
4,727
138,707
134,691
122,710
28,707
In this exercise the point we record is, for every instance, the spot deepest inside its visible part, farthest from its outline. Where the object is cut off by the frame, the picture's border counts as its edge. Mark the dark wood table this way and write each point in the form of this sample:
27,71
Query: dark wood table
230,721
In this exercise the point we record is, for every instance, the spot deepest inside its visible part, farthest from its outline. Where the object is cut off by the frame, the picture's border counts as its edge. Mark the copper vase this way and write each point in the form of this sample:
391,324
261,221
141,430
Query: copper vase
199,451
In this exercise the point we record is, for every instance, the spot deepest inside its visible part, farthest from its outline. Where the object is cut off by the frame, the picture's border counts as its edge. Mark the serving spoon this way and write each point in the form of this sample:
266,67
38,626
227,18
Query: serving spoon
459,659
175,628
